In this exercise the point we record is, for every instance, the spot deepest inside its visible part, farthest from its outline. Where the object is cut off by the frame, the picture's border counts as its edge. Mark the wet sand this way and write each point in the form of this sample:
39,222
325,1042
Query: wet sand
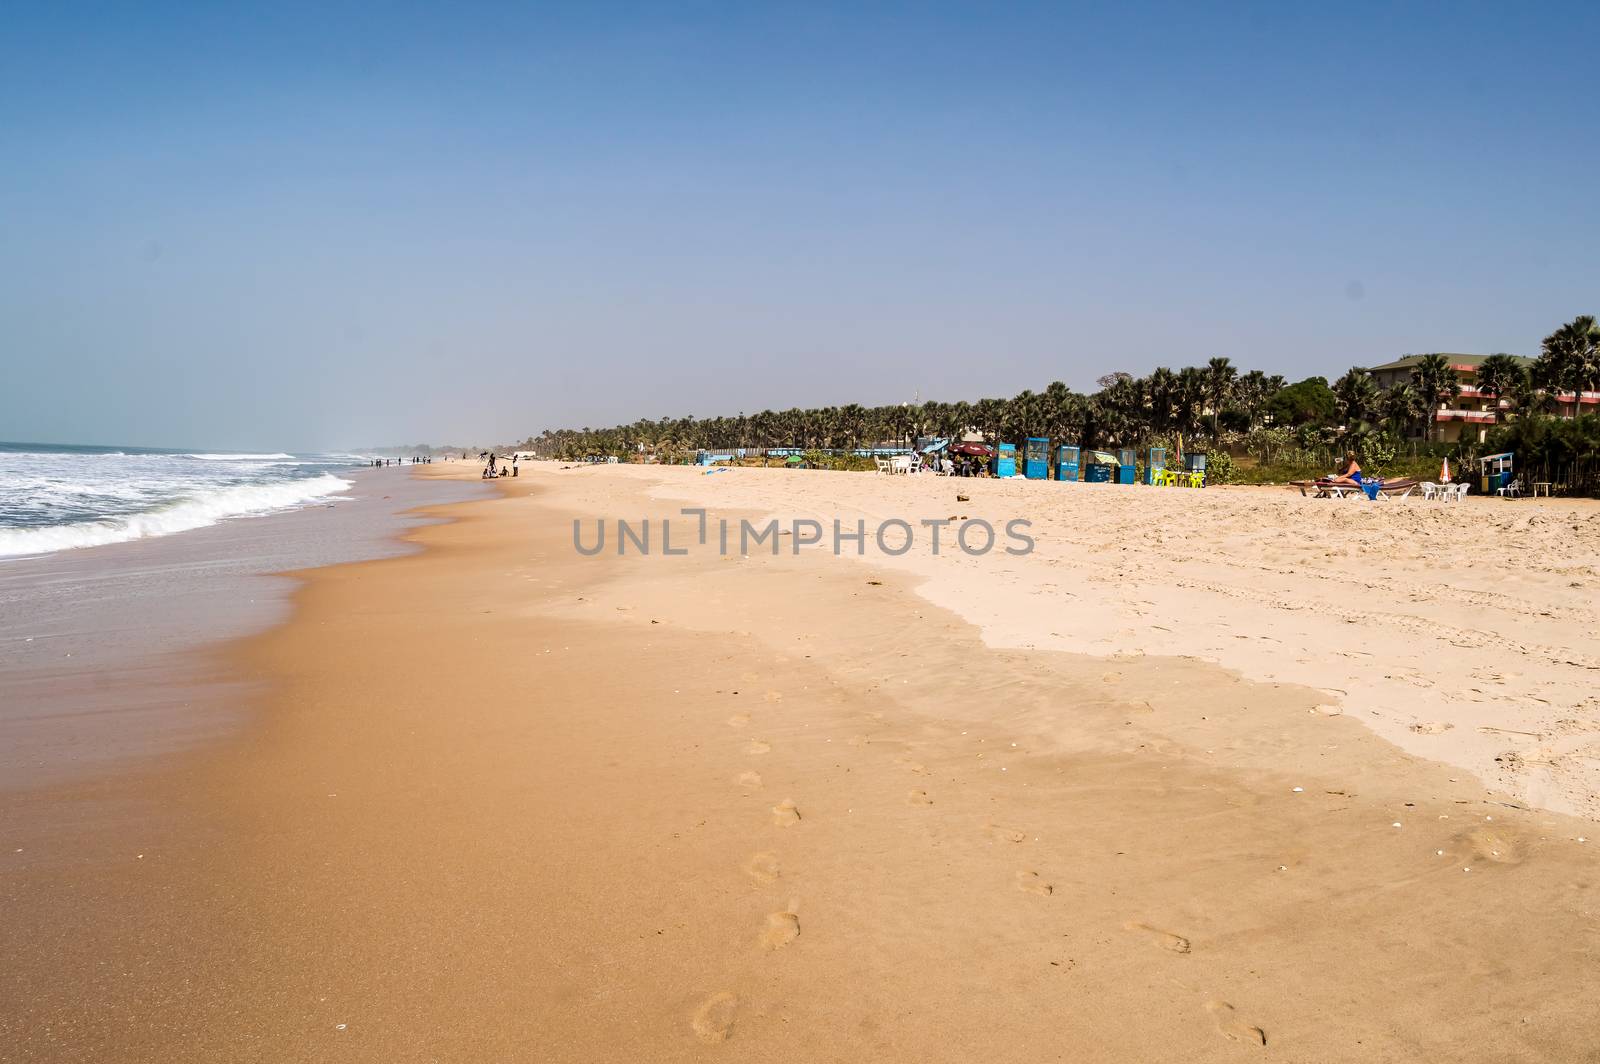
503,802
98,646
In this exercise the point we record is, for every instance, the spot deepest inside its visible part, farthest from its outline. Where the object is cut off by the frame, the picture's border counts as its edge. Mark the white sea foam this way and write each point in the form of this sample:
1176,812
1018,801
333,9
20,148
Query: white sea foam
206,507
239,457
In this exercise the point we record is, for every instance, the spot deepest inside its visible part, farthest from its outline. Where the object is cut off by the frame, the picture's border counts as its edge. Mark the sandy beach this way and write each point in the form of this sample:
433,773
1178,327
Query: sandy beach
1207,776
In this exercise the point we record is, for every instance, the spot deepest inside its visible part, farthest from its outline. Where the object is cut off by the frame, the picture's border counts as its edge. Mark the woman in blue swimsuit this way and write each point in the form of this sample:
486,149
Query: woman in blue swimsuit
1352,476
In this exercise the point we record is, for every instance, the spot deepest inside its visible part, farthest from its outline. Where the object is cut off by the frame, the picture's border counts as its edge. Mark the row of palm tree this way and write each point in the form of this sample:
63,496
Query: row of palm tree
1569,359
1402,406
1206,401
1567,366
1126,411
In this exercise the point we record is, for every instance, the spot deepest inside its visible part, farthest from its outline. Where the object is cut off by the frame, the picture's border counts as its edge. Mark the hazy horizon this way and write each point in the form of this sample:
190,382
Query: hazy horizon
321,227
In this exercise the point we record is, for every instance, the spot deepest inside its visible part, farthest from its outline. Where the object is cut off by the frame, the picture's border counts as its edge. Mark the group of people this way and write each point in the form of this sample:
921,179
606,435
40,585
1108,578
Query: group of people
965,465
420,459
505,468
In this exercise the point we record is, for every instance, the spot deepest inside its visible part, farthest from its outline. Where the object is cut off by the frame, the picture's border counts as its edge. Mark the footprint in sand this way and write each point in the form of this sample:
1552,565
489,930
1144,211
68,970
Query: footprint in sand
1229,1025
749,779
1006,834
785,814
756,746
1165,939
1492,845
782,928
738,720
763,868
1033,883
1432,727
918,798
713,1020
912,764
773,696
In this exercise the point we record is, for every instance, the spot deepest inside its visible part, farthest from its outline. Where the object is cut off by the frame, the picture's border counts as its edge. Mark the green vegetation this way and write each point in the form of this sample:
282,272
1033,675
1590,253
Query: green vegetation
1561,452
1254,428
1310,402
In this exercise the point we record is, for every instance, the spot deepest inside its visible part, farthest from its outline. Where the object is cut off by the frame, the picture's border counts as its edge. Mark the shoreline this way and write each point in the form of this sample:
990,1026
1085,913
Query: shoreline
504,802
106,651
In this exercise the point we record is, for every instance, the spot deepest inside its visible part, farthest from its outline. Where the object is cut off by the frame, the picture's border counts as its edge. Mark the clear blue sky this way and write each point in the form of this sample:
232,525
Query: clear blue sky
314,225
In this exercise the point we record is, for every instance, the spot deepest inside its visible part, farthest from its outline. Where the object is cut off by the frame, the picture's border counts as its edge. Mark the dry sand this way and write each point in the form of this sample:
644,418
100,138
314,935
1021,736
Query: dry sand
506,803
1466,633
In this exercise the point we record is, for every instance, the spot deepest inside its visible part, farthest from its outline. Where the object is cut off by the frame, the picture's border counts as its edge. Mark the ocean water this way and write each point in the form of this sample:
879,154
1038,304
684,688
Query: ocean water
56,498
122,570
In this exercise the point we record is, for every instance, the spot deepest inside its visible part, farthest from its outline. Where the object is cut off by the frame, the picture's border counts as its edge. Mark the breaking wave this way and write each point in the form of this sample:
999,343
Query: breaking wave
181,514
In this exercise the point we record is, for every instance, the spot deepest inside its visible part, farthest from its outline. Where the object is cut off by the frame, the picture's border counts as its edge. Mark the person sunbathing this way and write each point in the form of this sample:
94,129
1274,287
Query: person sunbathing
1352,477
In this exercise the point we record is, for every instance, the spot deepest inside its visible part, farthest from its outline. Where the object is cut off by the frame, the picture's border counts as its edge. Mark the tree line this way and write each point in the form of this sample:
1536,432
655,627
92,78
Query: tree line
1214,401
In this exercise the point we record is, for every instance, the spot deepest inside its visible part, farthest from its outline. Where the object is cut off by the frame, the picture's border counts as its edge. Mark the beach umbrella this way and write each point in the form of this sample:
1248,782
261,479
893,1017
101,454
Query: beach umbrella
1444,472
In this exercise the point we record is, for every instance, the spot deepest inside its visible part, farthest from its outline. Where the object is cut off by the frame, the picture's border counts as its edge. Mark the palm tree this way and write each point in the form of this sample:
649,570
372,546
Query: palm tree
1524,394
1188,395
1436,382
1056,409
1219,378
987,414
1160,387
1122,410
1404,406
1496,376
1358,394
1250,394
1569,359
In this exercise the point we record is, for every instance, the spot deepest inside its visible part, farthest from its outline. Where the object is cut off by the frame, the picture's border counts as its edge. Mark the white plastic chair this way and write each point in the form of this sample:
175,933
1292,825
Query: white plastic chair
1430,490
883,465
1512,490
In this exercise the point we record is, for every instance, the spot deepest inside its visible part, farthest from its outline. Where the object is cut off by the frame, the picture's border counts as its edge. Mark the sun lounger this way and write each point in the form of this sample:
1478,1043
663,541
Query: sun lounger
1322,489
1398,488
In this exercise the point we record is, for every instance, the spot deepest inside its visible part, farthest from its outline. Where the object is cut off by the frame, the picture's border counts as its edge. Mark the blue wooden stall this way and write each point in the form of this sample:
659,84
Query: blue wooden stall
1036,459
1127,466
1066,462
1005,461
1156,467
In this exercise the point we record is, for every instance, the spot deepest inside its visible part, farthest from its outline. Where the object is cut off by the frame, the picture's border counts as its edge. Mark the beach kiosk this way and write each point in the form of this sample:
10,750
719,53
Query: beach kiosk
1066,463
1196,462
1036,459
1496,472
1005,461
1127,466
1155,467
1100,467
